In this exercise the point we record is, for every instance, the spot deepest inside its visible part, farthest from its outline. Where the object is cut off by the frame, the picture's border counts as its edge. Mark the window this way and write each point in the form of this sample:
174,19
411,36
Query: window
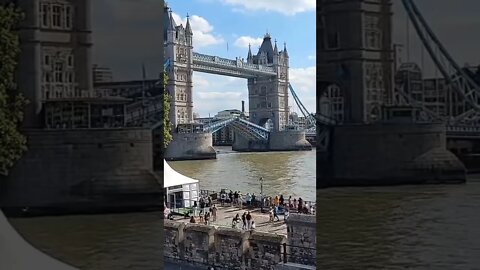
47,77
56,16
70,61
58,72
44,14
68,17
70,77
373,35
47,60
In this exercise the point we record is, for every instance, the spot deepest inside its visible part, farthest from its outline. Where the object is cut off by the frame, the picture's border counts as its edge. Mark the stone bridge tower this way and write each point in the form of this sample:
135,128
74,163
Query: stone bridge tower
356,54
268,96
179,49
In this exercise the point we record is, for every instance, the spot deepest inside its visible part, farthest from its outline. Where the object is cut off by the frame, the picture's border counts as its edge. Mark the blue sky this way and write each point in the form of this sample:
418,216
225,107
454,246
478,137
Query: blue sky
216,23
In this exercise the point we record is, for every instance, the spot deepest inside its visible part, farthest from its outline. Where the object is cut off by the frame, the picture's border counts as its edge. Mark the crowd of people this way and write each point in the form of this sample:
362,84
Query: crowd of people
205,211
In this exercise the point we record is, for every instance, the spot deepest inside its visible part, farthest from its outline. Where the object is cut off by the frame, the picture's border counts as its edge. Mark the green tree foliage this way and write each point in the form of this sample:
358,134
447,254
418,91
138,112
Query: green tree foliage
12,142
167,129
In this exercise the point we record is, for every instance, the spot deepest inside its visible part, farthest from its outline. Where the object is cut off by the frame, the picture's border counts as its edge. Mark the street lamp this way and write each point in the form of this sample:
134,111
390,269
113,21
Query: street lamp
261,194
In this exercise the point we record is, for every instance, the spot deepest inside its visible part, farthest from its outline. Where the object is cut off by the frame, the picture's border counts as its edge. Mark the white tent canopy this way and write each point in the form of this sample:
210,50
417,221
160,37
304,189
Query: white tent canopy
173,178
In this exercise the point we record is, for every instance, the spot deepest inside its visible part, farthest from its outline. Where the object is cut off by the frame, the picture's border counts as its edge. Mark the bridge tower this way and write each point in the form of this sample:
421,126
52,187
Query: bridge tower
179,49
268,96
356,55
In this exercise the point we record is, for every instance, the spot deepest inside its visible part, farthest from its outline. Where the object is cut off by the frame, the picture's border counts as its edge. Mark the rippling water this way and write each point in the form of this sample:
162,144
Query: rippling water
288,173
406,227
119,241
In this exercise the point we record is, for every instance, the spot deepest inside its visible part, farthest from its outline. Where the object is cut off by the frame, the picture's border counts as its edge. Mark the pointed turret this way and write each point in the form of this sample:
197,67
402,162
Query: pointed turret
172,24
267,48
285,49
188,29
275,50
249,56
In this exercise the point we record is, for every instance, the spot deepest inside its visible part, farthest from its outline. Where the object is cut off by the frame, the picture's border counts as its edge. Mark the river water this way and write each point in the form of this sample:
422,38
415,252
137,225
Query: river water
288,173
402,227
133,241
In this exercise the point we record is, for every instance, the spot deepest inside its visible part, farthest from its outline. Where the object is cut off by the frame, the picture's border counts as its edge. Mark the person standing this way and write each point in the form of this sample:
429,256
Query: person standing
244,220
230,196
207,217
276,201
249,221
300,205
214,213
202,205
281,200
235,198
195,208
290,202
275,213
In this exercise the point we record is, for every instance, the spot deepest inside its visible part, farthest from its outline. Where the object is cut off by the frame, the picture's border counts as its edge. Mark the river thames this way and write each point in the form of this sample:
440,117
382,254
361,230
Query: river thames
133,241
288,173
401,227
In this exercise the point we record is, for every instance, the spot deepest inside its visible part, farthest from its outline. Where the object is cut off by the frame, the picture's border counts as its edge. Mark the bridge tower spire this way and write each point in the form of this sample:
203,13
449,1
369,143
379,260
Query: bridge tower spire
179,49
268,96
249,57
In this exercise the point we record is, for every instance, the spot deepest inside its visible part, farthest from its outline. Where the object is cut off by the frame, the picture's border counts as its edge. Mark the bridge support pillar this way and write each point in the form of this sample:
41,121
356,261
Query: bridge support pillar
279,141
190,146
389,154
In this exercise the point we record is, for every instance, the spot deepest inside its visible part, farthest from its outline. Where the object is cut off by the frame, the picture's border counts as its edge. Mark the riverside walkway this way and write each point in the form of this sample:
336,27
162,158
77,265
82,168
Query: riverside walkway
225,215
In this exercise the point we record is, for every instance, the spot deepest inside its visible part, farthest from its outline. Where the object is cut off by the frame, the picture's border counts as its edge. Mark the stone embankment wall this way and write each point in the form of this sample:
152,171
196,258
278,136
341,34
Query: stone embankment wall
227,248
302,240
83,170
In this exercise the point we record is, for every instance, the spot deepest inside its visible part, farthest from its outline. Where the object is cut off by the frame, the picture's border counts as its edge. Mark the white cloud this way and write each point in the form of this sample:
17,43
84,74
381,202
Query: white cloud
287,7
214,93
203,35
243,41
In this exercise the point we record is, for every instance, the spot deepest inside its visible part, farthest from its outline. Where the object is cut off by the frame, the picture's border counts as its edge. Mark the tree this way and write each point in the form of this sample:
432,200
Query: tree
12,103
167,129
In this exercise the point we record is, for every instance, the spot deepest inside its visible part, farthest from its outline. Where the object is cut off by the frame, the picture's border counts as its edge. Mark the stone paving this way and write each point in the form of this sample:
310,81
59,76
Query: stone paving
225,215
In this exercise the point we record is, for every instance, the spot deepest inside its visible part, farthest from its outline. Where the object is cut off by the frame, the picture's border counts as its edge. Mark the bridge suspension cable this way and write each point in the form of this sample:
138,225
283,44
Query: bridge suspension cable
312,119
455,76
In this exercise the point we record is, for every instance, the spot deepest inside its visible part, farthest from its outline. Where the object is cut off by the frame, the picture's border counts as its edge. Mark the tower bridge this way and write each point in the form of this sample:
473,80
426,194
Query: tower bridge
267,79
385,132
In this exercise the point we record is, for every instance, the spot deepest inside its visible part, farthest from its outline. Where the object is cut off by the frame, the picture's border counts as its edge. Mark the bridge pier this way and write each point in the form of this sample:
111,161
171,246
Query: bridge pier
289,140
190,146
388,154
